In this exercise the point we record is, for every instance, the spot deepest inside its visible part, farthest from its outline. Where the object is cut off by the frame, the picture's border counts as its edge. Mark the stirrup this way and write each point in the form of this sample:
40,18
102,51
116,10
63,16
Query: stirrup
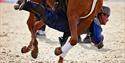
22,4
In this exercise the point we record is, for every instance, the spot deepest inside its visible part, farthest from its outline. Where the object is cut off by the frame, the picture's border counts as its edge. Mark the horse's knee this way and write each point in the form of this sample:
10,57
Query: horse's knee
38,24
30,21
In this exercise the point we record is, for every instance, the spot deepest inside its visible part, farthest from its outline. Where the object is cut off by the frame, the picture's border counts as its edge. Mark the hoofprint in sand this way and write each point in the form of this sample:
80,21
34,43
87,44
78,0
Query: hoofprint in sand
14,34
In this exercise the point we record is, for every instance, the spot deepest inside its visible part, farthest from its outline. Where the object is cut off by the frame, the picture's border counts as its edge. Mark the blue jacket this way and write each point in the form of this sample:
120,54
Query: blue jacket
96,31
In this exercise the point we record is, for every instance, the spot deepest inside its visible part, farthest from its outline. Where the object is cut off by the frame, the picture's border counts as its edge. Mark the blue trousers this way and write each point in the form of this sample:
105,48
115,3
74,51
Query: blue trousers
96,31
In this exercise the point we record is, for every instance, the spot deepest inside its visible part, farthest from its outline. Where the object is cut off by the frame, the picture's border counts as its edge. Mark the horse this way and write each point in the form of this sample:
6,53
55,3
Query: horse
74,12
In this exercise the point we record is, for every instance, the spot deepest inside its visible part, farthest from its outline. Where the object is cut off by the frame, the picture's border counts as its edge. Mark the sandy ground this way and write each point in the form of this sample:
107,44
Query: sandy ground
14,34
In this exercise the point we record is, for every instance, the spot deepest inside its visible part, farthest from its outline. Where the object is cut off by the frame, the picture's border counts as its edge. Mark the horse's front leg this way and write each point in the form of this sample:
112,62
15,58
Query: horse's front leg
30,23
37,26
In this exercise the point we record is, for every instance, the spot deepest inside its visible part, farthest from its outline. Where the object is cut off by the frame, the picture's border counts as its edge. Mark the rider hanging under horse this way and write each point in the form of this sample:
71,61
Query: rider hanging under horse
95,29
54,18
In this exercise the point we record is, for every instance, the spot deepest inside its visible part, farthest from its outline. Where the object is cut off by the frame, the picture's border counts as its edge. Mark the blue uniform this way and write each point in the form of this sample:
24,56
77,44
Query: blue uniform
57,20
96,31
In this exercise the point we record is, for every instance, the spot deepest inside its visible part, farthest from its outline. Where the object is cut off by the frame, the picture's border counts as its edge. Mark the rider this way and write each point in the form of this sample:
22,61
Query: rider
60,16
94,33
95,29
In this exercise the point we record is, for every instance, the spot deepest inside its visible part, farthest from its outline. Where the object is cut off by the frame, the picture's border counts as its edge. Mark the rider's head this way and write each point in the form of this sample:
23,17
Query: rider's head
106,10
104,14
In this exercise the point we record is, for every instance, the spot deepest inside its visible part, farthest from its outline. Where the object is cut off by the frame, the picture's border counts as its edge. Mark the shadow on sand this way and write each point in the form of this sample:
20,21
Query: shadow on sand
84,45
92,47
47,40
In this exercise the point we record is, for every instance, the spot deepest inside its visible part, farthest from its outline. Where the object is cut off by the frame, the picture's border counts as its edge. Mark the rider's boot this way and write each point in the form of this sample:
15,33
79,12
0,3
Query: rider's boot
20,4
99,44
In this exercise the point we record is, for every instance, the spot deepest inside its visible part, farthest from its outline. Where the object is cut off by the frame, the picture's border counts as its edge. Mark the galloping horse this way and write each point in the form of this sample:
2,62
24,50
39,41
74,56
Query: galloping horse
75,10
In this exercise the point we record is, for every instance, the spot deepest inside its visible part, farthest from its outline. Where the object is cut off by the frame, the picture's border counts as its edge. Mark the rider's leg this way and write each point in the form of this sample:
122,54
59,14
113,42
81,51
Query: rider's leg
96,34
34,8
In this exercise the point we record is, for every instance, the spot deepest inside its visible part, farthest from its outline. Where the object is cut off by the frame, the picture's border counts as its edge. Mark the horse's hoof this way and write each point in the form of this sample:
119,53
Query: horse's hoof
25,49
60,60
58,51
100,45
34,52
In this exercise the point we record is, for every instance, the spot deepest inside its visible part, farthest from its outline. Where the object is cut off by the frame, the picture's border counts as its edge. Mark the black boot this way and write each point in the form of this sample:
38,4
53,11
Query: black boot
35,8
99,44
20,4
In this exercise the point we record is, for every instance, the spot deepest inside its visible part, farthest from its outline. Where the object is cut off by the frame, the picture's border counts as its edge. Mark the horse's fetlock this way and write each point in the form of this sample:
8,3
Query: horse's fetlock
35,43
73,43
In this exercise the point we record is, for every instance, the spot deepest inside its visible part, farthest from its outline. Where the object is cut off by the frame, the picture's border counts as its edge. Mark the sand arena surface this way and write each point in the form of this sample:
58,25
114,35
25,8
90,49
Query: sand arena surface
14,34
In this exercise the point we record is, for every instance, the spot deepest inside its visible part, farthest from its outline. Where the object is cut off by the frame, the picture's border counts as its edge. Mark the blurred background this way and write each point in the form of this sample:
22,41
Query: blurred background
8,1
